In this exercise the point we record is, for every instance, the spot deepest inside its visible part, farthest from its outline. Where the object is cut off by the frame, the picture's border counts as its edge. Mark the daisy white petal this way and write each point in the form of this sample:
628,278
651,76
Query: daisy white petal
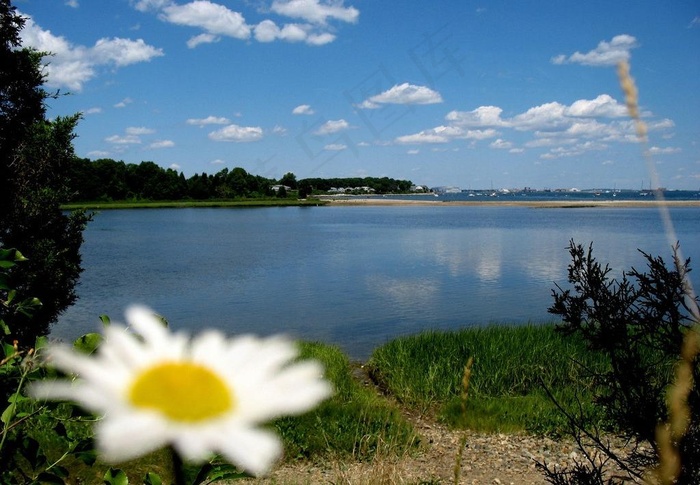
202,395
128,436
145,322
255,450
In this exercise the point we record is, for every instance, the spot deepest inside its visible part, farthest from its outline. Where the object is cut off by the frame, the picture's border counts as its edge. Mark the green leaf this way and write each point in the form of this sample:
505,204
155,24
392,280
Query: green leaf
8,414
152,479
116,477
88,343
105,320
218,471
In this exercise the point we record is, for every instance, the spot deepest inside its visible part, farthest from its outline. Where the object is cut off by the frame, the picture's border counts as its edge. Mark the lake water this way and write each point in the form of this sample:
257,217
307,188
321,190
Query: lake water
352,276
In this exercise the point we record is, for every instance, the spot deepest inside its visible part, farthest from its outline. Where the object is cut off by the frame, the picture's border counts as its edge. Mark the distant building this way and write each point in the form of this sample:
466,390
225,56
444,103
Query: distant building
276,188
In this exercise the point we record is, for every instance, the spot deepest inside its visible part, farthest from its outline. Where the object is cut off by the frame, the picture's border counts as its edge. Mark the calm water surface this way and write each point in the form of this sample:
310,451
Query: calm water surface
353,276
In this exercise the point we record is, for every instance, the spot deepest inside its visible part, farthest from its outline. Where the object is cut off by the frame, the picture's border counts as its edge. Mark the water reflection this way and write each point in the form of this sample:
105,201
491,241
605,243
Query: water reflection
352,276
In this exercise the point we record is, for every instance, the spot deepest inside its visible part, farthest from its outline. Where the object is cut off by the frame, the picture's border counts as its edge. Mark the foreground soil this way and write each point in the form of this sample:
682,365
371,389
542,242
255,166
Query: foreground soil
486,459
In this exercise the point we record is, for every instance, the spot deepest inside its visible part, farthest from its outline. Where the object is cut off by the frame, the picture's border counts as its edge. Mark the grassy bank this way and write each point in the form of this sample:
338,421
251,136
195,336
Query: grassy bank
145,204
421,373
512,366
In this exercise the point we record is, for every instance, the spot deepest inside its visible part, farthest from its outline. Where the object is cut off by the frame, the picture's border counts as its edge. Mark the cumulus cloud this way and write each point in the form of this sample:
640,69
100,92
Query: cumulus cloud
139,130
316,11
123,103
303,109
605,54
205,38
335,147
213,18
602,106
601,119
217,20
161,144
238,134
403,94
268,31
500,143
663,151
209,120
71,66
481,116
445,134
332,126
123,140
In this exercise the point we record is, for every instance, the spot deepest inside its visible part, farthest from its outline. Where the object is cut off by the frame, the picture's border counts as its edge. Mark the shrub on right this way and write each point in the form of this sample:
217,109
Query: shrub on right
639,322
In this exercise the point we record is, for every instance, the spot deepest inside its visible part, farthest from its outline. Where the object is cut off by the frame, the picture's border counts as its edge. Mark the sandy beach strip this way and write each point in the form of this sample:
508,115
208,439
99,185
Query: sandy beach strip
365,201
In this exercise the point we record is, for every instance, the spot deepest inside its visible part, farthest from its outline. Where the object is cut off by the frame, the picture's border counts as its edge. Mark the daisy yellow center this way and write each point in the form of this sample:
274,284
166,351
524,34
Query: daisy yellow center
182,391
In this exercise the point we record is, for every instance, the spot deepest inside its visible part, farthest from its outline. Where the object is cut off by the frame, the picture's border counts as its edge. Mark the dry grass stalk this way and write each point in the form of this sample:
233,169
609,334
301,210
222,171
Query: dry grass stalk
669,434
466,377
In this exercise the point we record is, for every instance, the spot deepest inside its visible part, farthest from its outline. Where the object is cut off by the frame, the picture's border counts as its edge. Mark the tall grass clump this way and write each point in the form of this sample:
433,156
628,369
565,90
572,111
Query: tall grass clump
356,422
512,365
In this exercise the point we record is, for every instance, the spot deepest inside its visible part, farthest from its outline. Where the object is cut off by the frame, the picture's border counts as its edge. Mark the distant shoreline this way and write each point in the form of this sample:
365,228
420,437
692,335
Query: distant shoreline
358,200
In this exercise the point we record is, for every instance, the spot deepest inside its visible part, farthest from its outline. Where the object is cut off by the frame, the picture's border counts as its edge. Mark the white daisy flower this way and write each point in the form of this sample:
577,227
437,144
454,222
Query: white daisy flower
201,395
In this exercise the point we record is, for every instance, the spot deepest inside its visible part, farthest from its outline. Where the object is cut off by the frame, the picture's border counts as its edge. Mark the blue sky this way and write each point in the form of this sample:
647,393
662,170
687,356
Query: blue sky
474,94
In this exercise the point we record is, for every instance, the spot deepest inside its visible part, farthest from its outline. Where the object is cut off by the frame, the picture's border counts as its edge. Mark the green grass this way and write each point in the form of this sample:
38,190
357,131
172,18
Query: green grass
146,204
511,366
422,372
356,422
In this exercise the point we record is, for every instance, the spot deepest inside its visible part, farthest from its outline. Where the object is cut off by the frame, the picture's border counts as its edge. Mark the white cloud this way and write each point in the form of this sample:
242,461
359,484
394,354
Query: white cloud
123,103
663,151
268,31
606,54
139,130
316,11
213,18
72,65
500,143
413,152
161,144
209,120
218,20
332,126
92,111
403,94
422,137
123,140
602,106
175,166
279,130
72,3
481,116
206,38
218,161
548,115
445,134
335,147
238,134
303,109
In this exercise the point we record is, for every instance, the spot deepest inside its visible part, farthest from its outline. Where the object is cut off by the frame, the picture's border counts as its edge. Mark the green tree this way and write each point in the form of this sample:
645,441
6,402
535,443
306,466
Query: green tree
290,180
35,156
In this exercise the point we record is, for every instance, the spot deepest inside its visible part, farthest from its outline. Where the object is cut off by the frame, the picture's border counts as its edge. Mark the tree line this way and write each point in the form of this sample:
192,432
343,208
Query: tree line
110,180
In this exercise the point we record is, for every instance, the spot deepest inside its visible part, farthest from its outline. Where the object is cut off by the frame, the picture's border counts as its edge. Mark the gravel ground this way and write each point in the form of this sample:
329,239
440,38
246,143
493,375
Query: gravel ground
487,459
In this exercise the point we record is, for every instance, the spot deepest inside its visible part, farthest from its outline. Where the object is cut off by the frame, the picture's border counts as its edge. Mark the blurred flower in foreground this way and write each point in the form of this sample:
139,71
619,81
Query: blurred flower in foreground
200,395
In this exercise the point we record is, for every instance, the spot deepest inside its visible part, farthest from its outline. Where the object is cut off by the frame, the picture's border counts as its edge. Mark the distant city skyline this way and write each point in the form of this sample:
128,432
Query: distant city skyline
457,93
